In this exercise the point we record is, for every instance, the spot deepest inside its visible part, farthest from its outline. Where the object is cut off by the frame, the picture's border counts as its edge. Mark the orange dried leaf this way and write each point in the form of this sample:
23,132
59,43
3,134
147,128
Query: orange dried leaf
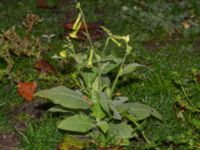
27,89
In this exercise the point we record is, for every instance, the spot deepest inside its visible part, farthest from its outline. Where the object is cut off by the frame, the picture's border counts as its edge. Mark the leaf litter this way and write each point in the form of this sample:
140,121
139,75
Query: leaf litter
27,89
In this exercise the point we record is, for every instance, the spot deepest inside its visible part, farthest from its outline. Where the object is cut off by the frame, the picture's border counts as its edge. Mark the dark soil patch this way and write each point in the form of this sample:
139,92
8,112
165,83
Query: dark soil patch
152,46
8,141
20,115
156,44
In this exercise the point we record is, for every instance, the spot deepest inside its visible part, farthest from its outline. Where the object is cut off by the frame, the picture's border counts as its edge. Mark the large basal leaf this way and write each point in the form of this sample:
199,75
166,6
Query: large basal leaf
65,97
129,68
121,130
118,101
140,111
104,102
116,108
116,114
77,123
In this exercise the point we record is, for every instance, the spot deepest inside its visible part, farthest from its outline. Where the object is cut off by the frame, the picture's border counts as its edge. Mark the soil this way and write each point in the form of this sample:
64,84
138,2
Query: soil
20,115
9,141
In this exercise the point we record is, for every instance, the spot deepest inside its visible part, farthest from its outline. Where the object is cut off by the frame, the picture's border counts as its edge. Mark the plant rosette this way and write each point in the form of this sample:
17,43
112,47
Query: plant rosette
108,120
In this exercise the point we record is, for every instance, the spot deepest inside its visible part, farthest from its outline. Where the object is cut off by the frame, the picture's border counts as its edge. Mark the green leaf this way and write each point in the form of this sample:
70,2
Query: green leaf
118,101
125,142
80,59
77,123
65,97
139,111
109,67
99,137
70,142
121,130
130,68
116,108
95,85
94,96
105,85
57,109
111,58
116,113
95,88
88,78
104,101
97,111
2,73
105,81
103,126
108,63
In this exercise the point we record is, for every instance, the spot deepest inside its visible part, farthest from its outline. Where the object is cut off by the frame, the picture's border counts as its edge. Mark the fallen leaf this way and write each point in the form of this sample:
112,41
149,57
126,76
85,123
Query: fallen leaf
45,4
186,25
44,67
26,90
118,94
94,30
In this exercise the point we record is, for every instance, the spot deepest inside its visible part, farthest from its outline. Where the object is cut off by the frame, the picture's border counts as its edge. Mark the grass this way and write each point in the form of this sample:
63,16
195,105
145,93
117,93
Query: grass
157,44
44,136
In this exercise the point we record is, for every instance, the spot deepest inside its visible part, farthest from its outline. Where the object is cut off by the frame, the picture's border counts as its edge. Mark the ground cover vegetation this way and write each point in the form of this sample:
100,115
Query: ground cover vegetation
113,75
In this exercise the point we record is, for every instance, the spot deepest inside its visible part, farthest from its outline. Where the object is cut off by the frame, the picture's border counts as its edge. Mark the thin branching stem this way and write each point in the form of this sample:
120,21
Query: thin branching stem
118,74
86,28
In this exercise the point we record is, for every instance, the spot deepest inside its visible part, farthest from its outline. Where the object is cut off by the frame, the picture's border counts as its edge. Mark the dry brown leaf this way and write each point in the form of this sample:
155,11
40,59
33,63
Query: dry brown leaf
44,67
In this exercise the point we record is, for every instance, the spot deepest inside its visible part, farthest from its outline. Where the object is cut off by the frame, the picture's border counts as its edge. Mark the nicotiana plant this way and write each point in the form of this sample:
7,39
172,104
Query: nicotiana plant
93,110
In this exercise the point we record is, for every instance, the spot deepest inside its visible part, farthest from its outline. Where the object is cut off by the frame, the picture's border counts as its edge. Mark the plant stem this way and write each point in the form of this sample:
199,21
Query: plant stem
106,44
88,36
118,74
86,29
142,132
